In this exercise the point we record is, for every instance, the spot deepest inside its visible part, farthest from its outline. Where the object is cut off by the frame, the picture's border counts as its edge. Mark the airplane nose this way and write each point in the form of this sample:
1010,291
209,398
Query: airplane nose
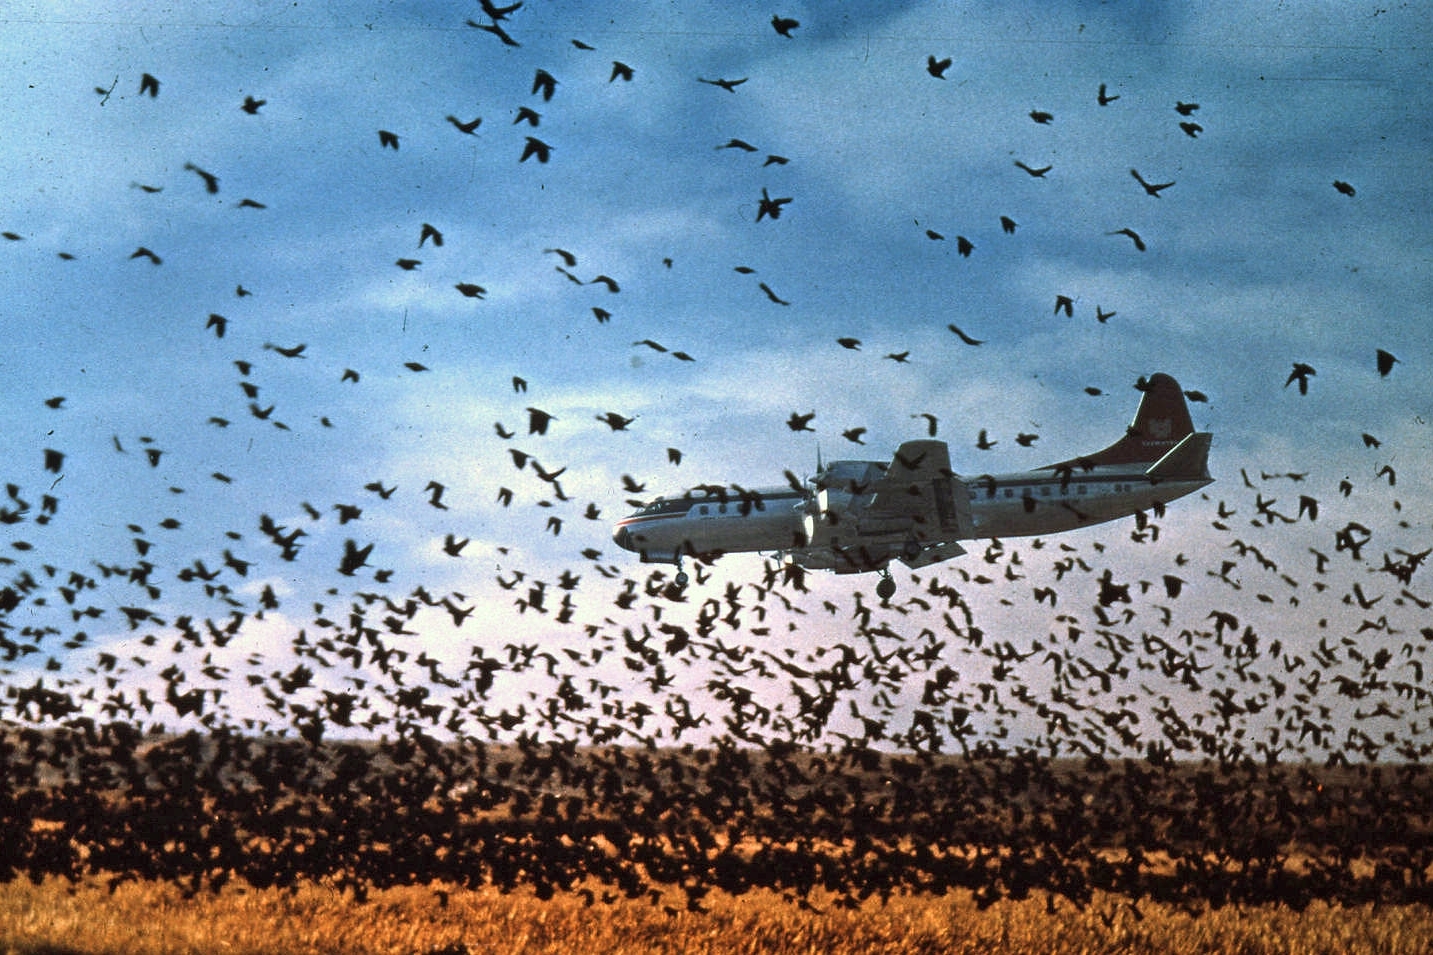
622,537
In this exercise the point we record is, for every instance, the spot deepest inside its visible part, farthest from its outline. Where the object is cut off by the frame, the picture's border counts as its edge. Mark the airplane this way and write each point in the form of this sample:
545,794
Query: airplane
858,516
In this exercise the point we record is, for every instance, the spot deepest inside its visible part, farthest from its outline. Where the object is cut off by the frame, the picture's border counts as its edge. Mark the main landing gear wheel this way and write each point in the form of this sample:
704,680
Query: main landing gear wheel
681,577
886,587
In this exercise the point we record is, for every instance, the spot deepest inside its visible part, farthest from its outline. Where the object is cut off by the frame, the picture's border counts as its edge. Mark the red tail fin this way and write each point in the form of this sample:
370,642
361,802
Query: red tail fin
1161,422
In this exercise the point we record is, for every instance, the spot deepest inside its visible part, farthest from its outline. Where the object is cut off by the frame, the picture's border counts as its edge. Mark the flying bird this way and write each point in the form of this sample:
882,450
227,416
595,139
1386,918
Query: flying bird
1152,188
936,67
1007,225
964,337
148,84
772,295
1041,117
428,232
1343,187
1104,98
1063,303
620,71
387,139
535,147
538,420
470,127
211,181
1185,109
1300,374
728,85
545,83
1037,173
964,246
784,25
1386,361
1133,235
769,206
800,422
251,105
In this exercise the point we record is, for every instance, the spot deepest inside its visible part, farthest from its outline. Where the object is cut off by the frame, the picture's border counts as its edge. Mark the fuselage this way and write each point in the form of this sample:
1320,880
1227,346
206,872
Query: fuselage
1019,504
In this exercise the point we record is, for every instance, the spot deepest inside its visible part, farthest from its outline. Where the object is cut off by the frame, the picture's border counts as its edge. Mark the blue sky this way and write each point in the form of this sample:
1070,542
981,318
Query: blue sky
1254,261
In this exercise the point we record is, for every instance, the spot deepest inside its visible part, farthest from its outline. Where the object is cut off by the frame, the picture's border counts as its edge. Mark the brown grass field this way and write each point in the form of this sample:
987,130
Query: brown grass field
152,918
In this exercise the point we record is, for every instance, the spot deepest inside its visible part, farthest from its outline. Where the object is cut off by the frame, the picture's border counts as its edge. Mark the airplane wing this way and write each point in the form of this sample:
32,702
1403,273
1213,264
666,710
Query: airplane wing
920,490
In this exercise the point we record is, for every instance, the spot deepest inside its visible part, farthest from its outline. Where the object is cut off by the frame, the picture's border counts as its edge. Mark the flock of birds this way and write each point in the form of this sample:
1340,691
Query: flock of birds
703,730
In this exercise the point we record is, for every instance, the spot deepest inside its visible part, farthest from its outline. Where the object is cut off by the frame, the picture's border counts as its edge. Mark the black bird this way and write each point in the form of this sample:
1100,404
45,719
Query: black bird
728,85
936,67
800,422
1343,187
1185,109
620,71
1192,130
538,420
148,84
964,337
1007,224
545,83
211,181
1063,303
772,295
251,105
1103,98
1041,117
784,25
469,127
769,206
496,12
1152,188
1386,361
1300,374
144,253
428,232
1133,235
1037,173
496,31
536,147
964,246
385,138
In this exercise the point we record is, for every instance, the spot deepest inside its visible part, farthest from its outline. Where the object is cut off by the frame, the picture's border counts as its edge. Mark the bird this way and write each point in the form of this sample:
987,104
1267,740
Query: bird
800,422
1343,187
854,435
1104,98
932,423
470,290
144,253
211,181
852,343
1007,225
1192,130
769,206
428,232
1037,173
964,337
1133,235
1386,361
470,127
899,357
1185,109
728,85
387,139
741,144
615,421
544,83
964,246
148,84
1152,188
1102,316
784,25
983,442
936,67
251,105
452,546
408,265
608,281
1300,374
496,30
538,420
536,147
1041,117
620,71
1063,303
771,294
526,114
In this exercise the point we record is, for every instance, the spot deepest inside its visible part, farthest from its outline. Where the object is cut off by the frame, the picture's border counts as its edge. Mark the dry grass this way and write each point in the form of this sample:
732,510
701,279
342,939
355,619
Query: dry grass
154,919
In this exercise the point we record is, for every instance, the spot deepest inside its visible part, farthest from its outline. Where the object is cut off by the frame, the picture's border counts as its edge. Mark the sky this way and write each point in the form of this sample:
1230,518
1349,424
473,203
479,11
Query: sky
1253,261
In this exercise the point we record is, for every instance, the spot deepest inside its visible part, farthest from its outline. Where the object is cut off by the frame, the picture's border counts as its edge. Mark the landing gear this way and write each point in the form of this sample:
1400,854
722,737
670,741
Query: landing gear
681,577
886,587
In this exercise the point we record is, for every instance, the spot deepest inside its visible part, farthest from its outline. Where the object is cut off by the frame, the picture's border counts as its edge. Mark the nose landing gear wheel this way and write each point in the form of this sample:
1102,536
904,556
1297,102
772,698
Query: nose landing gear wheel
886,587
681,578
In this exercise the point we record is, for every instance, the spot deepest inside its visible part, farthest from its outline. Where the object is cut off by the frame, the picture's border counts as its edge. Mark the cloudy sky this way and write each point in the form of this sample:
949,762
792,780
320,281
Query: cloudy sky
190,410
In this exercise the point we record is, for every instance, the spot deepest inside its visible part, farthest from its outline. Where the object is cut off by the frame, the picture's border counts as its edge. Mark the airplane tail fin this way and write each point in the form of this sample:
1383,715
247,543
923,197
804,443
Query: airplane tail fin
1160,424
1189,460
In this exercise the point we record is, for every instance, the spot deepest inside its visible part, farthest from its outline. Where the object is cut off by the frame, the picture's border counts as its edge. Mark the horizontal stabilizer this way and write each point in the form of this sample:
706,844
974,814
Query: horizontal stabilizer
1187,461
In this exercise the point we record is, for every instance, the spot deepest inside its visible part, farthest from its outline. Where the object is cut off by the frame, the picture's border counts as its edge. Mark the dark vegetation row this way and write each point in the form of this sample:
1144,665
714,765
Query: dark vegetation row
202,810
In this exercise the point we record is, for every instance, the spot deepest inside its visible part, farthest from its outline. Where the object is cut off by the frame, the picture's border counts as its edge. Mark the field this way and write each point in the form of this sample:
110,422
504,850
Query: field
120,842
56,917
